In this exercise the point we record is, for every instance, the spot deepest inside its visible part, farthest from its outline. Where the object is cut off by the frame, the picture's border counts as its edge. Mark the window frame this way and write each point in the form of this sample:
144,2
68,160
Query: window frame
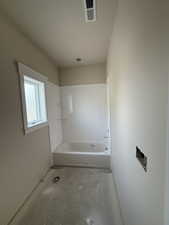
28,72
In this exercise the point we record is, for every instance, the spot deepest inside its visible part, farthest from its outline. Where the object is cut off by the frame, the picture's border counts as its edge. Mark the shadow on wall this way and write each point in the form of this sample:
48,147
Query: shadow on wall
139,82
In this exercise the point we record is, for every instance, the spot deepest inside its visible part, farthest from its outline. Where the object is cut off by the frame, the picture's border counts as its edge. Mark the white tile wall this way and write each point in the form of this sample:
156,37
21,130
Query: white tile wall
54,114
87,121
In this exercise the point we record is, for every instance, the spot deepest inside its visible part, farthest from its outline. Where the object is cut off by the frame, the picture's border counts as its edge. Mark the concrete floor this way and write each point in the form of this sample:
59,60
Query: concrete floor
81,197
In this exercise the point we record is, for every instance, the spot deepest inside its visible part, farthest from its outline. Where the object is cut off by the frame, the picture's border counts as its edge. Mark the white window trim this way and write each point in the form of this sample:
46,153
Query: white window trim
27,71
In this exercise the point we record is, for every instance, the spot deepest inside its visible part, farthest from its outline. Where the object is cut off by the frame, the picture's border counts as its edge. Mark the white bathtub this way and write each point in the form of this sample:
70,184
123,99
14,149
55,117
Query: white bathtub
95,155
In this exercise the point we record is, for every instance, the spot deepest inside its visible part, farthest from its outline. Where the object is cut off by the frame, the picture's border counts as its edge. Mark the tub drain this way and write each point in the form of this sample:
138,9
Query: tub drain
56,179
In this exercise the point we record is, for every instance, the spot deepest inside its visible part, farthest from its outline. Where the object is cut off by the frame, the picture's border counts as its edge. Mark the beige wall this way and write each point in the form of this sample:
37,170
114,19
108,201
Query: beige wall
23,159
89,74
138,71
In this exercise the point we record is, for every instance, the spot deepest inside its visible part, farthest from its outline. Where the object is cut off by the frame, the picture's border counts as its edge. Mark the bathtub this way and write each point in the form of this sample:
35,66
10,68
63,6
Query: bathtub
96,155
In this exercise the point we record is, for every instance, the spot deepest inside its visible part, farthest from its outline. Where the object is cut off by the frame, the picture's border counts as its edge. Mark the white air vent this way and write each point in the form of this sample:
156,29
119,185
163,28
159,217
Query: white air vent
90,10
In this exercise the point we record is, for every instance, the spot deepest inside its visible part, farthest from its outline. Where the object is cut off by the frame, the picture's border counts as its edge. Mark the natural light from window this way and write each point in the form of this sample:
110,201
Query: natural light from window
35,101
33,95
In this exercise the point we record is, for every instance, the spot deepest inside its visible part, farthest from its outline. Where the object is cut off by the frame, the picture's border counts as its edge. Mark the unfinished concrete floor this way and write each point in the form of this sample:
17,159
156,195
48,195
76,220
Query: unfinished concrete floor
81,197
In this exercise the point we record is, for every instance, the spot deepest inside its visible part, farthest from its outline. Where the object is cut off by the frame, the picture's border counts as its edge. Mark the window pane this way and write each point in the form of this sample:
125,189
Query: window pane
31,102
42,101
35,101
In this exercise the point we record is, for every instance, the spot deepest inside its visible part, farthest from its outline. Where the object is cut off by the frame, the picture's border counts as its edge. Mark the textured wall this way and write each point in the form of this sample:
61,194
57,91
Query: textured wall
138,71
90,74
23,158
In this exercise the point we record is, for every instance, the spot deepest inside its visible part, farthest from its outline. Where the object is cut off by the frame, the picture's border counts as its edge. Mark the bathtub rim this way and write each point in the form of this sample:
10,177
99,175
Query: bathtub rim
83,153
60,148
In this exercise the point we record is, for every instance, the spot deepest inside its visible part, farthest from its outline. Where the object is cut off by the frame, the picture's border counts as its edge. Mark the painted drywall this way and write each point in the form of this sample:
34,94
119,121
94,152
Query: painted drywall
166,214
23,158
87,119
89,74
54,115
138,71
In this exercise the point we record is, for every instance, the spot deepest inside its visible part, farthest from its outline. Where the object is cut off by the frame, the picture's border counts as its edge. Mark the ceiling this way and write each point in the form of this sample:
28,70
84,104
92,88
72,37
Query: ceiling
59,28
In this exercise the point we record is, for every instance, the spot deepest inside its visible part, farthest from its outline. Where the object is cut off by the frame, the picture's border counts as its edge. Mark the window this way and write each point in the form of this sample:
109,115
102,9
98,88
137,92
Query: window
33,98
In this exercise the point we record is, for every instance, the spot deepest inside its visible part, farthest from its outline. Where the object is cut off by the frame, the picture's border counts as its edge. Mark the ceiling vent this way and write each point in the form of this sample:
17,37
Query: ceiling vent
90,10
